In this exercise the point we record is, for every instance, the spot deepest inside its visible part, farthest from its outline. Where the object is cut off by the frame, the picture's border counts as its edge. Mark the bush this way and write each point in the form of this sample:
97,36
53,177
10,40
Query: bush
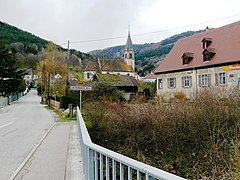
198,139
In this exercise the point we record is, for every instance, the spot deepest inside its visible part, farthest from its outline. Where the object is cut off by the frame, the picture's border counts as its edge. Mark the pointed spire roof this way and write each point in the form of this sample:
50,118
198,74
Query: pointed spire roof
129,44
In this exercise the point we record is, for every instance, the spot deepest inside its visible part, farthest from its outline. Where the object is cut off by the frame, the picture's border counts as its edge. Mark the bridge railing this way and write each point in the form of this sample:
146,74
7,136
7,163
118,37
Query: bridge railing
100,163
4,101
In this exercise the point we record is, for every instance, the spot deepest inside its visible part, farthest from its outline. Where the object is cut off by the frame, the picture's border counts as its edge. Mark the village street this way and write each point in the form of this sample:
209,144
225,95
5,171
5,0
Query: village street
22,125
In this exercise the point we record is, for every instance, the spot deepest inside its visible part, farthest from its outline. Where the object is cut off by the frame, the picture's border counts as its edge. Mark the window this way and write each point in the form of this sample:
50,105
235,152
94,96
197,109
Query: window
187,81
130,55
204,80
160,83
88,75
220,78
208,54
187,57
125,56
206,42
206,57
171,82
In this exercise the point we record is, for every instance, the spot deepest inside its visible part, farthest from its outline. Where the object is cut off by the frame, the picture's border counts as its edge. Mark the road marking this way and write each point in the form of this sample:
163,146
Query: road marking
9,132
31,153
7,124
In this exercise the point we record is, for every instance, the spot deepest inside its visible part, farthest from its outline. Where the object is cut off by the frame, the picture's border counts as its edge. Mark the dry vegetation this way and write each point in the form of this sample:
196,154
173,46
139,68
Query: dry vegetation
196,140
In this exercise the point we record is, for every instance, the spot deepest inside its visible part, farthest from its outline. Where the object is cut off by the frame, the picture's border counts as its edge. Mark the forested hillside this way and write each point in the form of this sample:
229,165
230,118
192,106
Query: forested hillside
10,34
30,49
148,56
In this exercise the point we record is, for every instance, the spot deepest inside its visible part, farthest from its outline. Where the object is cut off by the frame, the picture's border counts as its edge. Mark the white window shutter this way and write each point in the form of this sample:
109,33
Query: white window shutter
216,79
199,80
190,81
209,80
183,82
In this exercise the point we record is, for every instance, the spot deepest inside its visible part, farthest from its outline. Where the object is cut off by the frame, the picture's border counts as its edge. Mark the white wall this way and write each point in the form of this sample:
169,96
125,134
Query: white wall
232,78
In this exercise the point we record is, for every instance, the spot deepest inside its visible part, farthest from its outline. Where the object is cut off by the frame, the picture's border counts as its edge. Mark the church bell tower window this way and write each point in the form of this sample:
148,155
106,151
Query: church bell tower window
130,56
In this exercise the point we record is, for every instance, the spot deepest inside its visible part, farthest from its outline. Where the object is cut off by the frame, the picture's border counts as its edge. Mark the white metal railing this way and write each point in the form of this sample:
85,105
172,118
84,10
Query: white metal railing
100,163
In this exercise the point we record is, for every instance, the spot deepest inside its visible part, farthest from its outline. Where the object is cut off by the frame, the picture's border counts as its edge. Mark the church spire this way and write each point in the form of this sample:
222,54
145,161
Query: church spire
129,44
129,52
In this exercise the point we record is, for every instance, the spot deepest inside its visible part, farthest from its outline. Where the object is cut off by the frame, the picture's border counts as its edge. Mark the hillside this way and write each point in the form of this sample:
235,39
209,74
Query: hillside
148,56
10,34
29,48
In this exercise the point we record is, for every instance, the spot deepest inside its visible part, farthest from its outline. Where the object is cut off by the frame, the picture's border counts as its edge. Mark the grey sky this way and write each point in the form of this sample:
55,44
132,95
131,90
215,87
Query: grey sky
81,20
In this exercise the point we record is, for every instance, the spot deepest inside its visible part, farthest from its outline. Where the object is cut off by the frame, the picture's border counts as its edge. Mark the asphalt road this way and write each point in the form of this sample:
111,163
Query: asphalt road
22,125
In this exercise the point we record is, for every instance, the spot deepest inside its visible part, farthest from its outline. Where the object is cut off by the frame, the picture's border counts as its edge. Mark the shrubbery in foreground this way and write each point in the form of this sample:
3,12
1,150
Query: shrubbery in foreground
197,140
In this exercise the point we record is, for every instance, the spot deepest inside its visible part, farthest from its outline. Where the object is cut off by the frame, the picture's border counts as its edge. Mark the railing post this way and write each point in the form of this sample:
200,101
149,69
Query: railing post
139,175
121,171
101,167
107,168
91,164
129,173
96,165
114,169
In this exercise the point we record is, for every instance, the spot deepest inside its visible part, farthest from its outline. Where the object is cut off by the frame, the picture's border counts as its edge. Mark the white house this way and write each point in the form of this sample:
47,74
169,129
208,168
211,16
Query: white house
210,59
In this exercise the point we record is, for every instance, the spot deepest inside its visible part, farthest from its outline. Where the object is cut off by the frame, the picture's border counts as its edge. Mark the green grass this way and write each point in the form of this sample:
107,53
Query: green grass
63,117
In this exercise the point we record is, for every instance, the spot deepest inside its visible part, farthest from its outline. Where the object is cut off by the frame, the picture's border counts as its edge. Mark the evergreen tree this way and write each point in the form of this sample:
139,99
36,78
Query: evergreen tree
11,78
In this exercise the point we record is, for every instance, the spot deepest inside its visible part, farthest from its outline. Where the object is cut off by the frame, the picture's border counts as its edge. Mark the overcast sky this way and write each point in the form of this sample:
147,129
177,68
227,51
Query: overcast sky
84,20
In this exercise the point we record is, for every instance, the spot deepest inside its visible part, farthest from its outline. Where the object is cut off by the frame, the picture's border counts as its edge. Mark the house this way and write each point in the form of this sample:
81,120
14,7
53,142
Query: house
28,78
210,59
151,77
127,84
126,66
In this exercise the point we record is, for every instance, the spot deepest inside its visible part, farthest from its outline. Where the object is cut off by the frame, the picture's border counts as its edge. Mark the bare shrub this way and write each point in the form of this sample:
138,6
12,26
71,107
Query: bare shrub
196,139
180,96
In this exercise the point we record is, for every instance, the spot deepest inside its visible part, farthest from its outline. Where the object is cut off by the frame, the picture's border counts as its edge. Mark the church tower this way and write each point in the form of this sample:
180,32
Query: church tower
129,52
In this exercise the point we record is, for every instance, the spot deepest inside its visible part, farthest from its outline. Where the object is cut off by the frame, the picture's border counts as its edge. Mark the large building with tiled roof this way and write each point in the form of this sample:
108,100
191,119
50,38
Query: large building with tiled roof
126,66
210,59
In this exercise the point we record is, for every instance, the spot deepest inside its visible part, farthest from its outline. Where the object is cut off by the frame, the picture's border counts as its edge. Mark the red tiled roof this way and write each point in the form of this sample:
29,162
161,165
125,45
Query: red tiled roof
109,65
150,76
225,42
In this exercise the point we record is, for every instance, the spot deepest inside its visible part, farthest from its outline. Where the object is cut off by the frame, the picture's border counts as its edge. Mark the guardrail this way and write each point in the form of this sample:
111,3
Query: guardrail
101,163
5,100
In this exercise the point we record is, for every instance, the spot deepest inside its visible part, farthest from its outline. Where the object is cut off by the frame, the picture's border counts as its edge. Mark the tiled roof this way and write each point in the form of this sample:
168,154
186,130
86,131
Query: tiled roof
225,43
117,80
150,76
109,65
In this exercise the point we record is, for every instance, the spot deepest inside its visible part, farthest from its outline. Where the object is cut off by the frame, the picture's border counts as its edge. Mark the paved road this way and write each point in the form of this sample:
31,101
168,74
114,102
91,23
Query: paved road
22,125
50,159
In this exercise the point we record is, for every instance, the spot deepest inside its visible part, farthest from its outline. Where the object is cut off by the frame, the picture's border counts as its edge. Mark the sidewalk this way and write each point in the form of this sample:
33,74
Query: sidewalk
57,157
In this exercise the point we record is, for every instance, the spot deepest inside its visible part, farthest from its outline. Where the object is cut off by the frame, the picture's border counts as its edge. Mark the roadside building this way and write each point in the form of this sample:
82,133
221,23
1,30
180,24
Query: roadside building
127,84
151,77
210,59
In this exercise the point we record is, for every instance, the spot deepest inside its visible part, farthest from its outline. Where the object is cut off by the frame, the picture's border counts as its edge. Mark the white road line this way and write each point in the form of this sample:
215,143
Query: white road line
7,124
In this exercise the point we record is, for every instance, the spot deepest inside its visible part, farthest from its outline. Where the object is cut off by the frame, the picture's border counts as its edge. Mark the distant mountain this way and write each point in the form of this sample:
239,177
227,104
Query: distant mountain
148,56
29,47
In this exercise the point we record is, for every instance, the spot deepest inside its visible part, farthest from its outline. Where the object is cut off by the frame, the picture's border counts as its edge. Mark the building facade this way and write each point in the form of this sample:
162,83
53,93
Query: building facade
208,60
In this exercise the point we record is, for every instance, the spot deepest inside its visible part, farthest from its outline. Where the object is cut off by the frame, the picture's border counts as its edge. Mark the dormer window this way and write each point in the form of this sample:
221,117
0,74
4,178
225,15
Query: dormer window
206,42
187,57
208,54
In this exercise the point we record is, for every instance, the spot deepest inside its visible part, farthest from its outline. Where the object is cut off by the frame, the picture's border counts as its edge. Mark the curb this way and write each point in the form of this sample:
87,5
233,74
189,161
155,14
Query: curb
31,153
